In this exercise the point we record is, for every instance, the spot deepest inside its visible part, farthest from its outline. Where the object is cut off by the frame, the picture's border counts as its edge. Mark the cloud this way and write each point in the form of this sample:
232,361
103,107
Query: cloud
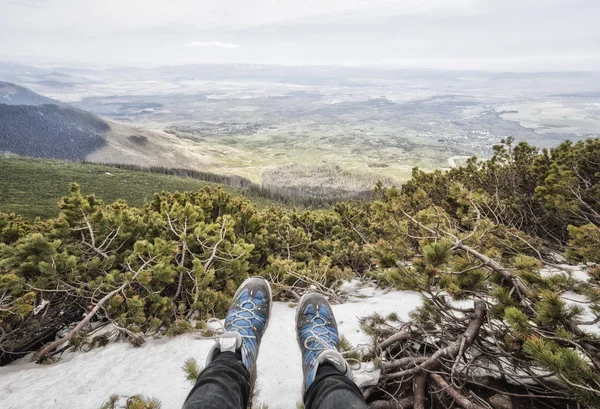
444,33
199,44
93,17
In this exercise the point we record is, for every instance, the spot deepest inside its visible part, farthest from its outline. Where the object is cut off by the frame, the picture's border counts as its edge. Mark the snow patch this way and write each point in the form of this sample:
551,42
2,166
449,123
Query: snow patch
577,272
572,298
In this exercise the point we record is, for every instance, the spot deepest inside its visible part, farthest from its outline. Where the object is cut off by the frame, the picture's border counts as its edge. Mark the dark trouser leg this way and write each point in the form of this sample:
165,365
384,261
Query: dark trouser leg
332,390
223,384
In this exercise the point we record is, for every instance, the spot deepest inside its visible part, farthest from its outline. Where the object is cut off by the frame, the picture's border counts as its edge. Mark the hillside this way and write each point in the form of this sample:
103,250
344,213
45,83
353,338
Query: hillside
36,126
62,132
33,125
32,187
50,131
130,145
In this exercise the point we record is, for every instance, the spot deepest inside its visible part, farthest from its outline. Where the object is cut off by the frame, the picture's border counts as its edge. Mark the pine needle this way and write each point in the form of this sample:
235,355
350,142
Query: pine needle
192,369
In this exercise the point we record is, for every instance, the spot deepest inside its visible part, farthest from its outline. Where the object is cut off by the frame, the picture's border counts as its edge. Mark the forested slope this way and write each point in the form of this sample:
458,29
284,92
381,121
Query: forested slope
50,131
482,243
32,187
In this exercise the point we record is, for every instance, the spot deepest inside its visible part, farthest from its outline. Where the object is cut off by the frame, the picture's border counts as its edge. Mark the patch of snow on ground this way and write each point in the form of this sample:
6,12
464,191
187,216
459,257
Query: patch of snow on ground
572,298
86,380
578,272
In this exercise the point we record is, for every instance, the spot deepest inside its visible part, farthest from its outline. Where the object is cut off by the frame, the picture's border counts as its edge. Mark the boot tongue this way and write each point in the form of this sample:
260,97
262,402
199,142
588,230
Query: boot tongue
230,342
334,358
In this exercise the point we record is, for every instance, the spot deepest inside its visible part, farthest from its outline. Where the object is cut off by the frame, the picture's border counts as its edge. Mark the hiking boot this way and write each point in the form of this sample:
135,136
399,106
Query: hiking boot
318,338
246,323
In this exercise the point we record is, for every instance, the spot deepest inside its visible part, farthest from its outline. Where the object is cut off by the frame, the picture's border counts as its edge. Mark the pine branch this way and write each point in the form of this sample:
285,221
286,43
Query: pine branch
42,353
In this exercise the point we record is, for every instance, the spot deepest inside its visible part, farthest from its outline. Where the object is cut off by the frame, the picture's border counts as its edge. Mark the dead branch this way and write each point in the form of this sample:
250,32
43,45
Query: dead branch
397,337
321,287
451,350
419,388
463,401
404,363
404,403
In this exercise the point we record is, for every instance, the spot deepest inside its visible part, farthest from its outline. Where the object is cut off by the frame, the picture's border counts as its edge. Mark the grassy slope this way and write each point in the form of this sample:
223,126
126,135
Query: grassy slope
32,187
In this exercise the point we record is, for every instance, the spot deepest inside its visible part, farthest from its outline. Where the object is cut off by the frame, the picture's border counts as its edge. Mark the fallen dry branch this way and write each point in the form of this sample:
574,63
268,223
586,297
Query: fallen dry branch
451,350
404,403
42,353
419,390
462,400
404,363
397,337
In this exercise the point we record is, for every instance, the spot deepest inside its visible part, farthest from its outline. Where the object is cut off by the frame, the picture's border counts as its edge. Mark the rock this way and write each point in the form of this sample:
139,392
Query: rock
500,401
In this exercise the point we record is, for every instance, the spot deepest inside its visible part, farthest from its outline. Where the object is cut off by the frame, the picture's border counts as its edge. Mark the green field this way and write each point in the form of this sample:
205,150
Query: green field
33,187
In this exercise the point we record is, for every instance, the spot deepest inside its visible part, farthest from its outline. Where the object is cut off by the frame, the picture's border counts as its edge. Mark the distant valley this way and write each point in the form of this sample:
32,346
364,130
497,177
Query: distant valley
321,129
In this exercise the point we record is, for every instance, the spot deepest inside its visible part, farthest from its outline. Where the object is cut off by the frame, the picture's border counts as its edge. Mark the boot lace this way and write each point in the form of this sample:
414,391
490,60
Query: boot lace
240,323
319,341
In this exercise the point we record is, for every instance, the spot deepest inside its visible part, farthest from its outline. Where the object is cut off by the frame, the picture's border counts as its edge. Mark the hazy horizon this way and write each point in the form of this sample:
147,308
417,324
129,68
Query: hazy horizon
43,63
486,35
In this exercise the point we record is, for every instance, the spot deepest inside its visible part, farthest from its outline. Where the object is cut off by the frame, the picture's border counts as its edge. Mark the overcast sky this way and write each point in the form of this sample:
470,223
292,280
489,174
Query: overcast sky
513,35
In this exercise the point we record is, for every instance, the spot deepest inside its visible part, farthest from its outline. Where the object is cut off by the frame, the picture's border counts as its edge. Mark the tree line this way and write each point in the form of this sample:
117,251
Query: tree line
291,195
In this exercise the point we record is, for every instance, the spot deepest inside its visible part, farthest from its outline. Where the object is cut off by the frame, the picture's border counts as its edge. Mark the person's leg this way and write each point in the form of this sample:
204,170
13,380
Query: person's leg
230,373
332,390
224,384
327,376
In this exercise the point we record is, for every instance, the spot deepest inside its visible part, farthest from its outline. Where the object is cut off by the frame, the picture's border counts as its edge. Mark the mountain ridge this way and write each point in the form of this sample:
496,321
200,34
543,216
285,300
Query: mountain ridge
12,94
37,126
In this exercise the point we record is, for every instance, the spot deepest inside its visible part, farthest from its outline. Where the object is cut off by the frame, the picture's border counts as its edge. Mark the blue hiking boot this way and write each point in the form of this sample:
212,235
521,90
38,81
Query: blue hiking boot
246,323
318,338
